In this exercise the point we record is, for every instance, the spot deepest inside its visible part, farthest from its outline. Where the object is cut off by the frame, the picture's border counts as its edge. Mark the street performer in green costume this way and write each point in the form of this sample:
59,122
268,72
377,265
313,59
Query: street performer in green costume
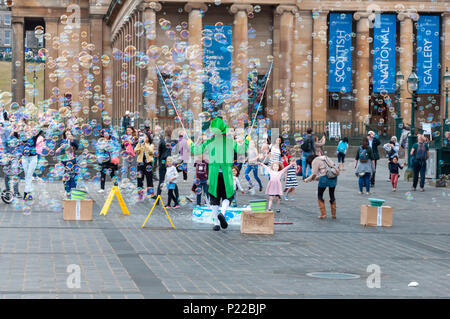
221,150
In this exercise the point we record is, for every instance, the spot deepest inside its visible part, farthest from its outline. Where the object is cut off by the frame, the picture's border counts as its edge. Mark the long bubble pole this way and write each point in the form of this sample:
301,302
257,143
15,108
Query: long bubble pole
262,96
170,96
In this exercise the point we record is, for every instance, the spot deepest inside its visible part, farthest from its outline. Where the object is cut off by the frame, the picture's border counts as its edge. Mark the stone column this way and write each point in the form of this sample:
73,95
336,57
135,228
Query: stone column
362,67
149,10
406,59
302,67
320,45
445,58
286,45
18,60
107,71
51,27
96,24
195,56
240,60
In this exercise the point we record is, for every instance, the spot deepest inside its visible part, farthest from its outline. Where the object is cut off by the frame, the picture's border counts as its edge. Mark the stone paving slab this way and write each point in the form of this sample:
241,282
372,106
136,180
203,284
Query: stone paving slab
118,259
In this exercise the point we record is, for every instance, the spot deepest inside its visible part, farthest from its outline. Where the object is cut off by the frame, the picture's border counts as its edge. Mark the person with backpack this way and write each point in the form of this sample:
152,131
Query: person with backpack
341,151
420,152
364,165
325,171
201,180
308,148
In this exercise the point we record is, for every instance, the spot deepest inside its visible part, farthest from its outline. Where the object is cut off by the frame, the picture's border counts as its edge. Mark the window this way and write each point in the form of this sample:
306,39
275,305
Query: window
7,40
7,20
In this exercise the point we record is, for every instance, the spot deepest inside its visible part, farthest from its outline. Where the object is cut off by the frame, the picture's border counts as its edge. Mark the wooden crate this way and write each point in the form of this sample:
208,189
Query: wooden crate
257,223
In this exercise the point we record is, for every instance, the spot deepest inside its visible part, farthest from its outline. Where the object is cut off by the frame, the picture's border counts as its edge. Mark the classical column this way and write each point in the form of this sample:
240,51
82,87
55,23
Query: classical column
195,56
107,70
445,57
362,66
286,45
18,60
51,27
240,59
96,24
320,45
149,10
406,58
302,67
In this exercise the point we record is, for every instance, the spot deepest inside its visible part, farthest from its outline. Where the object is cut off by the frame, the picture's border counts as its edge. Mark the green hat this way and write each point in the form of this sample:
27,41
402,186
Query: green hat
219,124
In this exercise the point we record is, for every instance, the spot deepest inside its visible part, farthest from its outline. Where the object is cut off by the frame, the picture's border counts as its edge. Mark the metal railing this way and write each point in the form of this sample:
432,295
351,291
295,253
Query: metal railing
351,130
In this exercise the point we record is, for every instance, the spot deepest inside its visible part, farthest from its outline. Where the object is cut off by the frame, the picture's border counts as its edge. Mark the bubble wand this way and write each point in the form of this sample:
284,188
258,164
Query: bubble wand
170,96
262,96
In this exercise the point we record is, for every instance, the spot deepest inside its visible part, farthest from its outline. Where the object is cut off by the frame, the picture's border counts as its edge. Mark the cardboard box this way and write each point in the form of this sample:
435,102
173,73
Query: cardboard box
257,223
376,216
78,209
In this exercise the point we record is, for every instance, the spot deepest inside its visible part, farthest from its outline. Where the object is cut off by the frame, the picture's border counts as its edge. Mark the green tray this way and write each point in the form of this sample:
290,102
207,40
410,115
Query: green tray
78,194
376,202
258,206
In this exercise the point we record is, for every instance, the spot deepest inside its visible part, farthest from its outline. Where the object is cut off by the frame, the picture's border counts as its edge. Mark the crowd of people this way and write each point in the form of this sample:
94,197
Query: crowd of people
145,156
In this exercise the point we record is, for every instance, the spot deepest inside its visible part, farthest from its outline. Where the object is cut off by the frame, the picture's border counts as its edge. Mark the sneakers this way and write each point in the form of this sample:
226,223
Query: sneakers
101,190
360,193
223,222
286,197
278,211
176,206
216,228
422,189
292,198
394,189
368,193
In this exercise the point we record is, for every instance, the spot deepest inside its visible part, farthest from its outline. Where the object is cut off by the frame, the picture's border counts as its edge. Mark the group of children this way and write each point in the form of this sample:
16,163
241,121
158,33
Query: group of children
276,172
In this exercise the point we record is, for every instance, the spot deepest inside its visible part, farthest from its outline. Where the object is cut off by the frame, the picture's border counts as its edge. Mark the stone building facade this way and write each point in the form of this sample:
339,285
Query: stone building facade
293,34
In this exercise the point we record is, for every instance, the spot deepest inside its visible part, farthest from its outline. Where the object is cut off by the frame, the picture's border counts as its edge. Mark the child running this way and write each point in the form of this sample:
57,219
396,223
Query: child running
291,178
274,188
394,165
341,151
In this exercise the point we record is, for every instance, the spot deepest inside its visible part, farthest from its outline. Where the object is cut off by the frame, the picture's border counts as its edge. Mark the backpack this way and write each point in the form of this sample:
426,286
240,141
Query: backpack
306,146
421,152
202,170
332,171
363,155
341,147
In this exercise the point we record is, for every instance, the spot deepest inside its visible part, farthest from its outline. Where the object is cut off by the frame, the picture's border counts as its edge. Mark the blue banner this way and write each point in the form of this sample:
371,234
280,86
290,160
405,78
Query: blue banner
340,54
384,45
428,54
217,45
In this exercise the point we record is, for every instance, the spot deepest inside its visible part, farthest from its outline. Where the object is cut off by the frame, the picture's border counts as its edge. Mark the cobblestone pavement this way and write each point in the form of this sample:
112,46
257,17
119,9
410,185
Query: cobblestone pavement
119,259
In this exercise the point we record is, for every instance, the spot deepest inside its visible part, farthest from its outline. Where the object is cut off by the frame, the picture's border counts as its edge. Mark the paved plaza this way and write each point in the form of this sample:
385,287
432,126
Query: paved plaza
119,259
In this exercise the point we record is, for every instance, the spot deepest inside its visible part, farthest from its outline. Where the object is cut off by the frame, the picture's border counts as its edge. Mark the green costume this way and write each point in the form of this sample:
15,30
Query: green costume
221,156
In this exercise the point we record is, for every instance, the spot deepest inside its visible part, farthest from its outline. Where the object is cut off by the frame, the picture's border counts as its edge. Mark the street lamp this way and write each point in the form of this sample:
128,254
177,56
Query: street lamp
447,84
398,120
412,85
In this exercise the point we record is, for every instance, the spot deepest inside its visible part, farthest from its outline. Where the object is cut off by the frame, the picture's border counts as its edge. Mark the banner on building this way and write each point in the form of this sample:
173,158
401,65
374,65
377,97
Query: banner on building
384,45
340,54
428,54
217,43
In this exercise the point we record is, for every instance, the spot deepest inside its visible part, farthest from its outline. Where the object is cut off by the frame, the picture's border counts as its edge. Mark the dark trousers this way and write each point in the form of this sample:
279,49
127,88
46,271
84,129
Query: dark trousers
173,195
204,187
419,167
162,175
72,182
364,180
372,178
331,190
144,173
112,172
